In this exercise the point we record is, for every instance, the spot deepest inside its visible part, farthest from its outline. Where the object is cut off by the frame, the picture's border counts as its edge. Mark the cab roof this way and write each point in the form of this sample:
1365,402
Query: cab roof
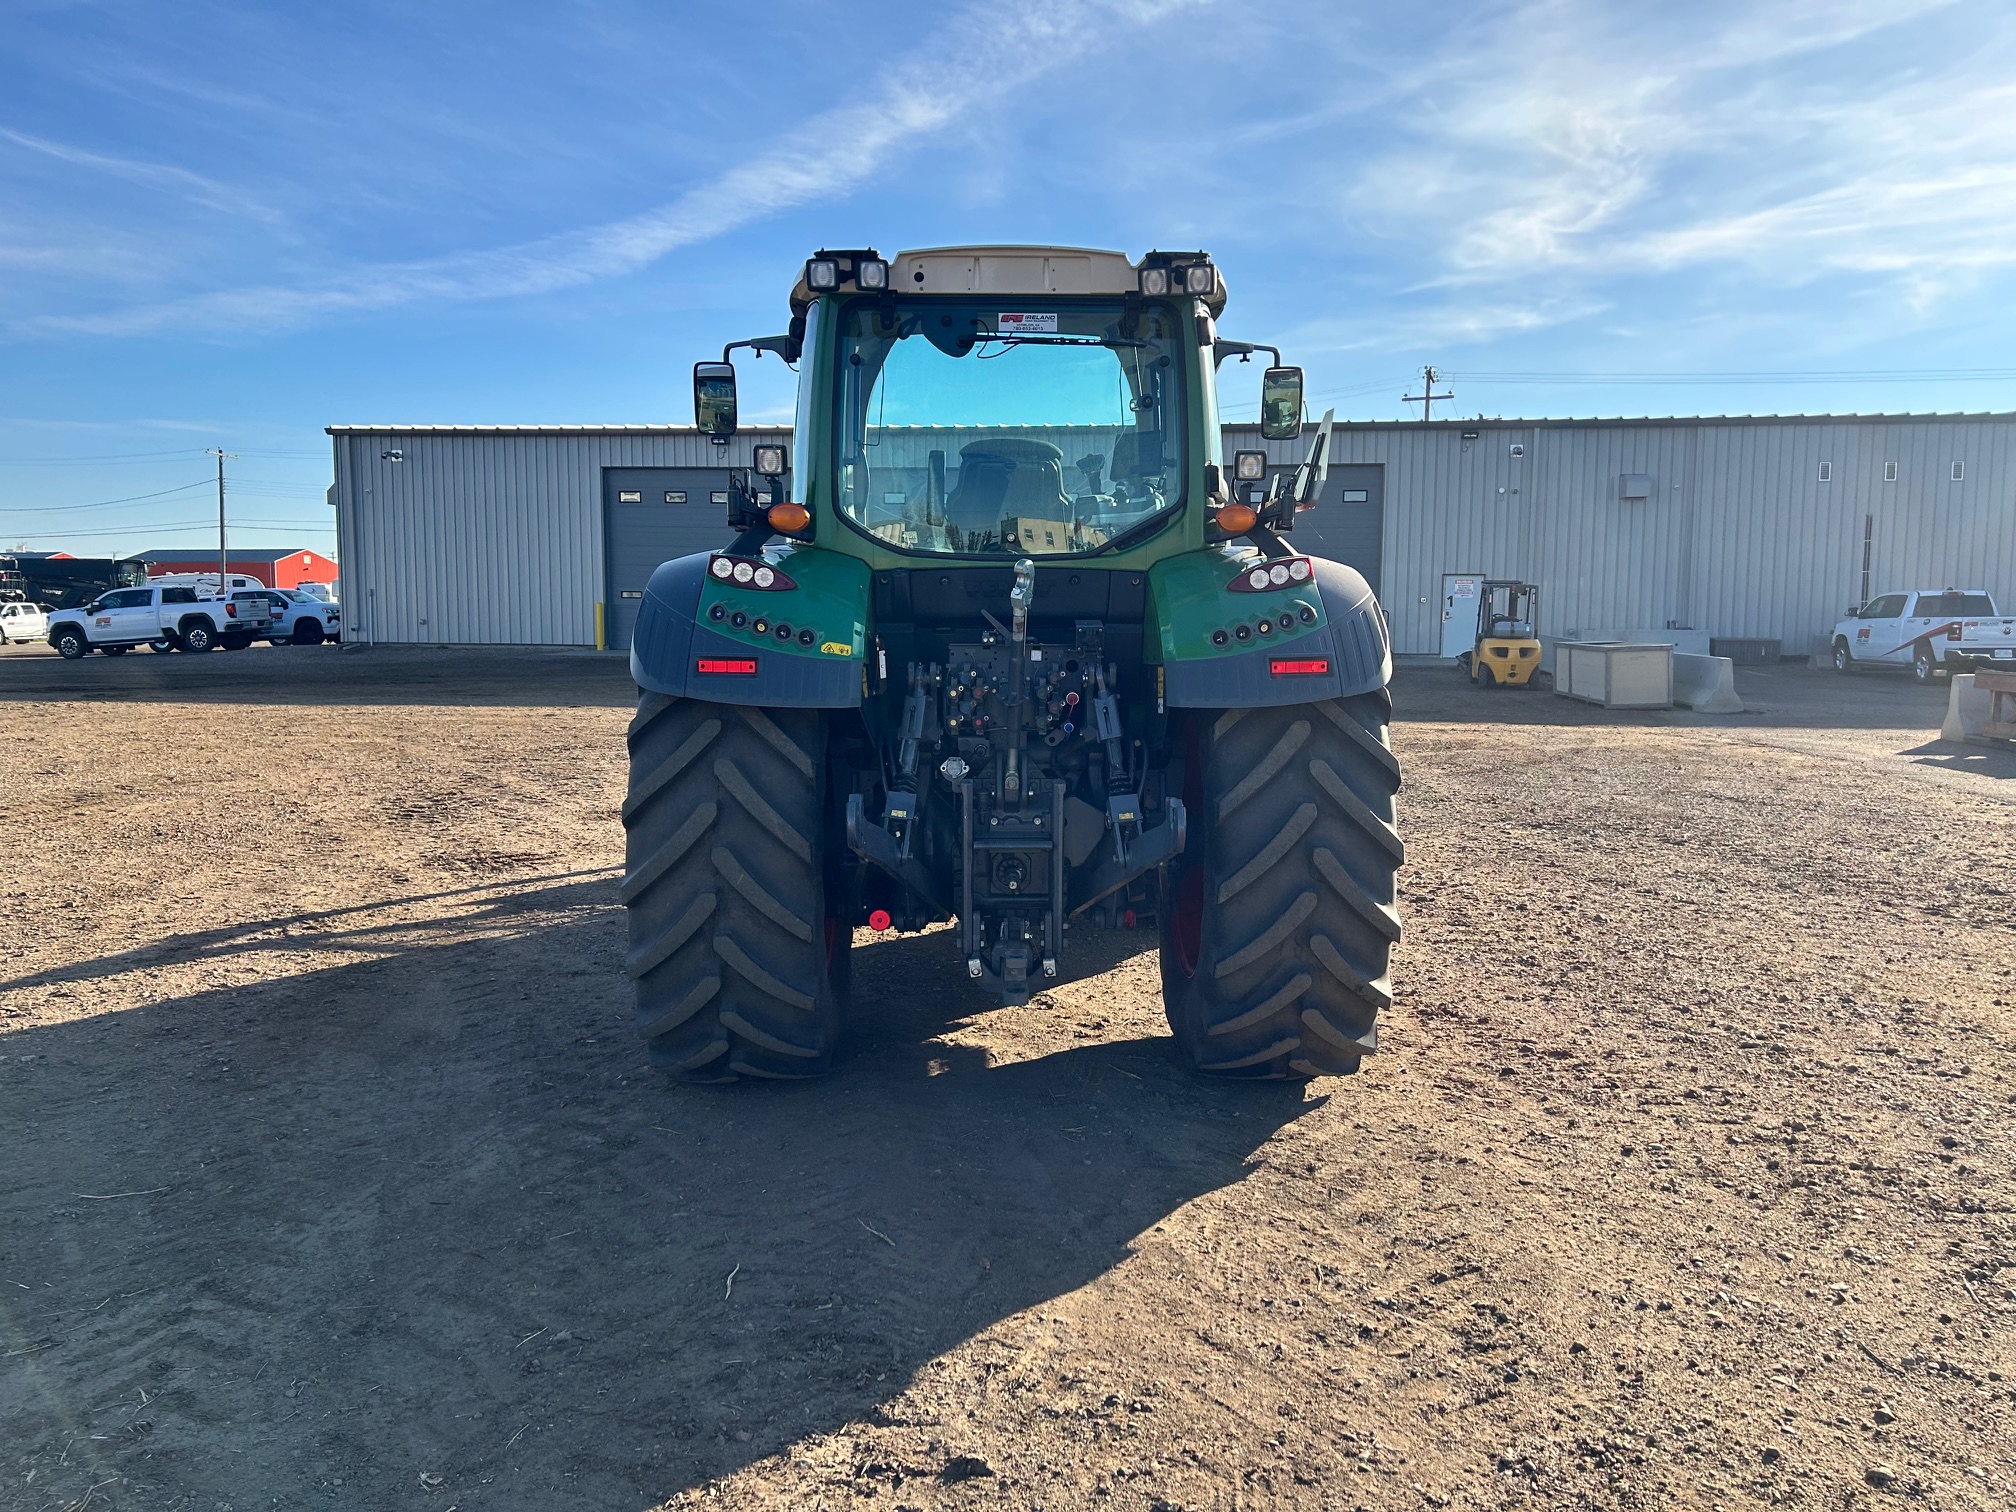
1012,270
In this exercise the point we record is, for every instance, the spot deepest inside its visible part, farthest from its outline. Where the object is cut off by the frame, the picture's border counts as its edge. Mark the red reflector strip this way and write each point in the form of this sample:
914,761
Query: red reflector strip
734,666
1282,667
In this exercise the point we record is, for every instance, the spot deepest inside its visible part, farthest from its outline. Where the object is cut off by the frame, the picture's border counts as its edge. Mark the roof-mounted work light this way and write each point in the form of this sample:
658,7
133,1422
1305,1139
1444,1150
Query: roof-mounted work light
871,273
1200,279
822,275
1154,282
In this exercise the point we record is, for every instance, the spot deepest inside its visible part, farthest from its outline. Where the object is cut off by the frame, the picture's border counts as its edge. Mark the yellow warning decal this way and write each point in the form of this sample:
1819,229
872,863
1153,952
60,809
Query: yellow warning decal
836,648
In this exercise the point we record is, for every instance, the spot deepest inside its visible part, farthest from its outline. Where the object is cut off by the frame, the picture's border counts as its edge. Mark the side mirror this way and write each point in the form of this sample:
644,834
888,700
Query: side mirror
1281,404
714,398
1854,611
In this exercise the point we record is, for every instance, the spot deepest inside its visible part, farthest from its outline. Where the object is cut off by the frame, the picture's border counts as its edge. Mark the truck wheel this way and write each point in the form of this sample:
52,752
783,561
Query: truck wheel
197,636
1924,665
70,644
308,633
1274,952
236,641
164,644
1844,659
736,960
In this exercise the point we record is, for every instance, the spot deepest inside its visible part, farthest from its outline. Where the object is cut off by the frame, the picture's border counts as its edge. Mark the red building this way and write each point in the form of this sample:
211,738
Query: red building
276,569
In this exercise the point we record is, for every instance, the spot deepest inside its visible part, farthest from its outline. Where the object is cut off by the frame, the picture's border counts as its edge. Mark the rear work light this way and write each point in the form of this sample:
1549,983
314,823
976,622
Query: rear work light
728,666
1314,666
748,572
1265,577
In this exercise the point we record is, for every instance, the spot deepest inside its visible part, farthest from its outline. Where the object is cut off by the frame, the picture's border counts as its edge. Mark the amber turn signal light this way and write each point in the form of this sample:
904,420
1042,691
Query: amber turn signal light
1237,519
789,517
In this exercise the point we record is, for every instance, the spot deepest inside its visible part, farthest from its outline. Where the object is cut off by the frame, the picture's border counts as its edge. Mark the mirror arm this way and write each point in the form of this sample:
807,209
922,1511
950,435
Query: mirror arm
1243,350
786,346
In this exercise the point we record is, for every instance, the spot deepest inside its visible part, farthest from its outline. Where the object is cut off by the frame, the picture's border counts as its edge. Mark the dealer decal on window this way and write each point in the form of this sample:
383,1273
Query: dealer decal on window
1024,325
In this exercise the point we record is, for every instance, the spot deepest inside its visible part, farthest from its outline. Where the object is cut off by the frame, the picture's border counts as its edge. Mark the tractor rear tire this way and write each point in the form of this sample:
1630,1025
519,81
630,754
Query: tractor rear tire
738,965
1275,951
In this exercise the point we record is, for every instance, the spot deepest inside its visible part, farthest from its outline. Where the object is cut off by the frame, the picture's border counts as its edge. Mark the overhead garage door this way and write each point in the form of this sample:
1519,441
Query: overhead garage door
651,515
1348,523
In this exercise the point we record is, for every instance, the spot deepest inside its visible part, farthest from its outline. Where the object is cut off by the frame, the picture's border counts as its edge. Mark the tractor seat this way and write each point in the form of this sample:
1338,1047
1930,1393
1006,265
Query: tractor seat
1006,476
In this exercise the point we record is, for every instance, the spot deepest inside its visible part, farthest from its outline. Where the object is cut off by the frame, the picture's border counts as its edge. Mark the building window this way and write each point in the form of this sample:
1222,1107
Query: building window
1826,472
675,496
629,496
1356,495
1959,471
1889,472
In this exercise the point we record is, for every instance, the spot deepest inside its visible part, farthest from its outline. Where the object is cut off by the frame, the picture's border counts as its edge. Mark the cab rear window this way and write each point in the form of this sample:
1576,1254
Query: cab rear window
1959,604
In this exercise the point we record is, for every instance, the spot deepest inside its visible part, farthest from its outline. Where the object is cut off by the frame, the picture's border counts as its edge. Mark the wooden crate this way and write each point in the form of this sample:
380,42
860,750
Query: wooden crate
2001,690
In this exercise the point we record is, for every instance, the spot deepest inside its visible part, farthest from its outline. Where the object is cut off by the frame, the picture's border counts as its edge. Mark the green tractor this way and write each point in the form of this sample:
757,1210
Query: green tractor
1006,644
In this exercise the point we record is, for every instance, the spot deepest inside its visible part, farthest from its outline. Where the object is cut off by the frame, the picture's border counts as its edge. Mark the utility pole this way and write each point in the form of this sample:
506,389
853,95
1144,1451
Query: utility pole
1427,397
223,558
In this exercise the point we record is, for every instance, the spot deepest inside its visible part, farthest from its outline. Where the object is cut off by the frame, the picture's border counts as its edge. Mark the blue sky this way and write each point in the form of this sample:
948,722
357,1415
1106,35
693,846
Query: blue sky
232,225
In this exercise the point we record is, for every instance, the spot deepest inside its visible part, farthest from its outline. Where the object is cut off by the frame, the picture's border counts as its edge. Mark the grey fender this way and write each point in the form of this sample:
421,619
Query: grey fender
1353,640
670,642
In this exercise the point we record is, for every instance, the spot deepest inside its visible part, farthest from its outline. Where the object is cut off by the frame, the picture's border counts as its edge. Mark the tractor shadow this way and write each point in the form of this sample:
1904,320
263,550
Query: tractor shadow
427,1213
318,676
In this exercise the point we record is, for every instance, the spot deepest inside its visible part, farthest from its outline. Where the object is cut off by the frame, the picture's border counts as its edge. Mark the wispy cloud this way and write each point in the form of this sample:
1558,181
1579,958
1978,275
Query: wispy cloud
1442,325
1573,142
978,59
164,177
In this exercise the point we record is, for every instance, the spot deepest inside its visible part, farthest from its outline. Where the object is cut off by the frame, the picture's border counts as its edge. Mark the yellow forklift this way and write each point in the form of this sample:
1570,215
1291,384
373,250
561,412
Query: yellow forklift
1507,652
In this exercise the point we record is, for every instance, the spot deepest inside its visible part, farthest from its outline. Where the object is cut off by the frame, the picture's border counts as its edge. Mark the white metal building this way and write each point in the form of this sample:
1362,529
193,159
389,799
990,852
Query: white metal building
1739,527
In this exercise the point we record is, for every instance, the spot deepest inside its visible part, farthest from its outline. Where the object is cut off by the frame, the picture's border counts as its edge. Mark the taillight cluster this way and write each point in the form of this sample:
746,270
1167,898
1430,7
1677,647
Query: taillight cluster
1265,577
744,572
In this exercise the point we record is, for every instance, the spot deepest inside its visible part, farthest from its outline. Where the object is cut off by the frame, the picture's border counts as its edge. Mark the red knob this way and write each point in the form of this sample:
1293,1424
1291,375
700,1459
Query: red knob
879,919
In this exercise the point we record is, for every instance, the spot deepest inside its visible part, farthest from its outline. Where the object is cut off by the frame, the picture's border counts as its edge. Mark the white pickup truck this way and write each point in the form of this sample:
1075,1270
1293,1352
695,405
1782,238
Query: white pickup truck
165,618
1931,630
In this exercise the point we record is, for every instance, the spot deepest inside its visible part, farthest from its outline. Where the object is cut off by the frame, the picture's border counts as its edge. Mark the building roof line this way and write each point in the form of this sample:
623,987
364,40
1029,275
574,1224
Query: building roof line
1968,417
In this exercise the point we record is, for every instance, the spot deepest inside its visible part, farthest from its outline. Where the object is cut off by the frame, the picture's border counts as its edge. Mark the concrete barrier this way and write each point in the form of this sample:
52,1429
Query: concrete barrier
1966,709
1706,684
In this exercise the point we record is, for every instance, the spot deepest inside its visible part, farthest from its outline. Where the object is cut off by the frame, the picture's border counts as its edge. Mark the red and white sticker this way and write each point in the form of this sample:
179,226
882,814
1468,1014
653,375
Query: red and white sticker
1024,324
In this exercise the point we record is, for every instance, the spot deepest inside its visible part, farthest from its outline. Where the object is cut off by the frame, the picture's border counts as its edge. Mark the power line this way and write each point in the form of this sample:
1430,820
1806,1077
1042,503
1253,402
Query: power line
102,503
1833,375
194,451
127,530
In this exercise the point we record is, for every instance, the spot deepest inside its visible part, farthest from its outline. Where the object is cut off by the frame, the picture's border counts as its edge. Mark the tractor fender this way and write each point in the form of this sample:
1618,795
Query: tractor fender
674,641
1352,639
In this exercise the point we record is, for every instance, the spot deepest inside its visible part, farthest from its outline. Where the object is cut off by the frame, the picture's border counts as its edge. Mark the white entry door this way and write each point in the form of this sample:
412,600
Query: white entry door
1459,611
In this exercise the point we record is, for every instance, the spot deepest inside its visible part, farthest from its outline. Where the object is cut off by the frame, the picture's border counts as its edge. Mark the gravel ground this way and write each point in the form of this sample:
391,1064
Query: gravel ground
333,1176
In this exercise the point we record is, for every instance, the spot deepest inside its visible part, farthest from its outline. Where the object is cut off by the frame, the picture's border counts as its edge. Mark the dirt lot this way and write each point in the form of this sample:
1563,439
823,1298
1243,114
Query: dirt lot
331,1176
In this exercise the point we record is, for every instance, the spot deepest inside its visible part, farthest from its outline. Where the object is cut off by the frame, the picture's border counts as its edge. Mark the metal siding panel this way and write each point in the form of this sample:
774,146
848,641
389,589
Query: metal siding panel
497,537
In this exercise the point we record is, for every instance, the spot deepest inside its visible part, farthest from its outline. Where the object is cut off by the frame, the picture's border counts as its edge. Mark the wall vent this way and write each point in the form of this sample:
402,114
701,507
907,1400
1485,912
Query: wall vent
1634,487
1826,472
1889,472
1959,471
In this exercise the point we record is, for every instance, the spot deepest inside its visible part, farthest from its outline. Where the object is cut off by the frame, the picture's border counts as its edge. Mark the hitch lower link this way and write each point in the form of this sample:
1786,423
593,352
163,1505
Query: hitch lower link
1011,927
